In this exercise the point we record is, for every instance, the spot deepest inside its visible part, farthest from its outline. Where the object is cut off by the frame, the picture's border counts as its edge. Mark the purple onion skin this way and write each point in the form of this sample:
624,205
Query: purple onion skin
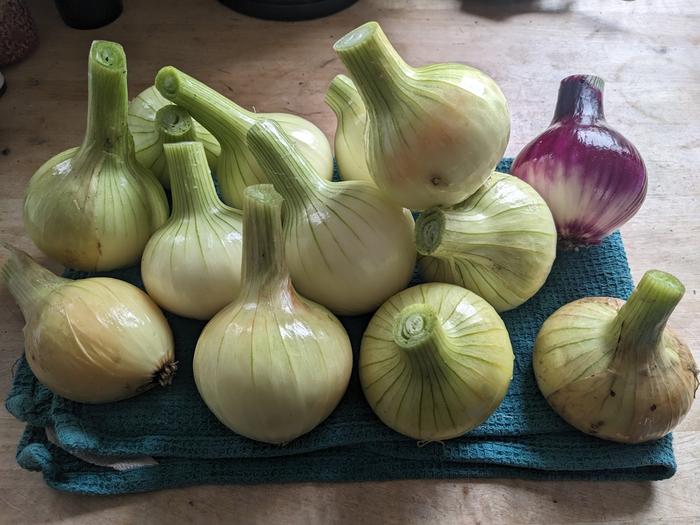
592,178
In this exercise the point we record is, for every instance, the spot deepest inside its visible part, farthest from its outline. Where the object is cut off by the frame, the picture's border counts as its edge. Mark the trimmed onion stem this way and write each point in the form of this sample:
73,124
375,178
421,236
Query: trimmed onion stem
108,101
27,281
264,261
375,66
191,184
642,319
175,125
418,332
225,119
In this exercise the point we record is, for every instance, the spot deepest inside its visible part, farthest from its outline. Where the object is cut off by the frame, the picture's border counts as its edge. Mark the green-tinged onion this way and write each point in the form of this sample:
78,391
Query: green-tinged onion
613,369
272,365
92,340
151,128
229,123
192,265
499,243
348,247
435,361
94,207
434,133
342,97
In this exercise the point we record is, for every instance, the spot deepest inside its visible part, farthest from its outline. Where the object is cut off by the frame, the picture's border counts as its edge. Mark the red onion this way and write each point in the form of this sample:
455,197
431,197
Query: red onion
592,178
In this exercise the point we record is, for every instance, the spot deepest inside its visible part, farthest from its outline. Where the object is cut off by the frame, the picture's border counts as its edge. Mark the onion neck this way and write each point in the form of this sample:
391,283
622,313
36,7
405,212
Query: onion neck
175,125
420,336
107,130
433,237
191,184
28,281
342,97
264,261
377,69
225,119
580,98
290,173
642,319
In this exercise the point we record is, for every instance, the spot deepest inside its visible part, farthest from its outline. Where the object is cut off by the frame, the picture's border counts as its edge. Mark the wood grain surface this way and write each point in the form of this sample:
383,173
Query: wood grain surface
648,52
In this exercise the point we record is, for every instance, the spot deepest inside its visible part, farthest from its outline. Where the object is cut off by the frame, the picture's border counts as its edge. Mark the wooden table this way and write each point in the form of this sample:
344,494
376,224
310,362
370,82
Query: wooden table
648,52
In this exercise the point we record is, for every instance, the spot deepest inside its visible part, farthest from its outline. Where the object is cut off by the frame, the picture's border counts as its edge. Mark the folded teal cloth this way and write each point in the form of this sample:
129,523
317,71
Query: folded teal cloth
524,438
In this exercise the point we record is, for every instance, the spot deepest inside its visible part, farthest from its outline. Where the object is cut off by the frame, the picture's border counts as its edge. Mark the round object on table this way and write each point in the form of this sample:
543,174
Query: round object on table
17,32
89,14
288,9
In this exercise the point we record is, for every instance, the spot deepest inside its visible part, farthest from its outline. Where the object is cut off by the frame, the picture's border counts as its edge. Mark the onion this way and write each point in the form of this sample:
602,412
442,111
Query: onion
228,122
435,361
272,365
499,243
435,133
614,369
592,178
348,247
95,207
342,97
92,340
151,128
192,265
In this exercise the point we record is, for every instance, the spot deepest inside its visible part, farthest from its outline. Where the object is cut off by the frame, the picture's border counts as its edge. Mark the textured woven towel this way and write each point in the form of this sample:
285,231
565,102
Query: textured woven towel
523,438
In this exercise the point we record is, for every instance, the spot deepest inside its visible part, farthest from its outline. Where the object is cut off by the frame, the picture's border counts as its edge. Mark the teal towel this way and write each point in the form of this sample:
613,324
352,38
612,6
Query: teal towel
524,438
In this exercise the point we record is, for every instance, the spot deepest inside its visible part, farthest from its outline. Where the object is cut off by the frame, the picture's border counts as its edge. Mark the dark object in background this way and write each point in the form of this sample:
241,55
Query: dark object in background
288,9
89,14
17,32
3,85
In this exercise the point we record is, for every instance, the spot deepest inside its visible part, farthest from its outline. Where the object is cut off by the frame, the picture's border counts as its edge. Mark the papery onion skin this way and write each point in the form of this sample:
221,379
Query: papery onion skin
229,123
614,369
499,243
95,340
148,140
272,365
593,178
348,247
342,97
434,133
435,361
95,207
192,265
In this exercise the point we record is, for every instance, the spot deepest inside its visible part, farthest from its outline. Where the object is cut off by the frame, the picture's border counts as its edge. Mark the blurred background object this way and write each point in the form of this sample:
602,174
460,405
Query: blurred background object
288,9
17,32
89,14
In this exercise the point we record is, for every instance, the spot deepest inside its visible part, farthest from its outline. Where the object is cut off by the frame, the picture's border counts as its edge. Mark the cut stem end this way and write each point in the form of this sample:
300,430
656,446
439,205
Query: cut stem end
430,227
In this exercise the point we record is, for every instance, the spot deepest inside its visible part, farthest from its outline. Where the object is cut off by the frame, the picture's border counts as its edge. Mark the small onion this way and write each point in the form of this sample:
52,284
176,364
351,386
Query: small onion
434,133
147,128
500,243
229,123
592,178
435,361
348,247
613,369
272,365
93,340
342,97
192,265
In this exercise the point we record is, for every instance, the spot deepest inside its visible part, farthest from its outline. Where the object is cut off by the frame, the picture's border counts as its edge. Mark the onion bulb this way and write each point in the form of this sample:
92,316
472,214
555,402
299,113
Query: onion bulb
434,133
348,247
192,265
93,340
613,369
435,361
342,97
592,178
272,365
151,128
94,207
228,122
499,243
